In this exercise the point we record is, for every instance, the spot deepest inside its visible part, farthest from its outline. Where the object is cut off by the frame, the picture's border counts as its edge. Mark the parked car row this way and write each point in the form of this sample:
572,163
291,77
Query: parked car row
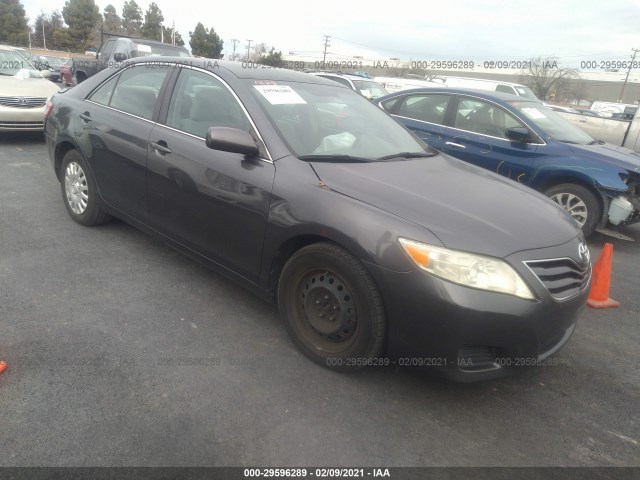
24,92
520,138
377,248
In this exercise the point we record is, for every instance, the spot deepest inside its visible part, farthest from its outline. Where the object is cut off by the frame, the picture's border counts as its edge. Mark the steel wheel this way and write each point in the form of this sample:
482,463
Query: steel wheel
76,188
328,309
332,307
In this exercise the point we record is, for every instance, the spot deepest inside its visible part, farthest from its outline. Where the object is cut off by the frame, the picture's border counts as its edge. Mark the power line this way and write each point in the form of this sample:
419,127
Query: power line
635,51
326,44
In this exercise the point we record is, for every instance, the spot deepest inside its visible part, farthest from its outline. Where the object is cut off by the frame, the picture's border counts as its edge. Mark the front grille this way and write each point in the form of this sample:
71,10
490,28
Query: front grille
562,277
23,102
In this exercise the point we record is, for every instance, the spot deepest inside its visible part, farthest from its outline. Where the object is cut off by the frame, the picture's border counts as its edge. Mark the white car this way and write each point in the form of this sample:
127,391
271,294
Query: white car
24,91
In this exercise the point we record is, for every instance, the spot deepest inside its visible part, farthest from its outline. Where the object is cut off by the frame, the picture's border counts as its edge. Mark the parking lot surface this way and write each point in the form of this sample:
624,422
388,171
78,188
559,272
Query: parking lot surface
123,352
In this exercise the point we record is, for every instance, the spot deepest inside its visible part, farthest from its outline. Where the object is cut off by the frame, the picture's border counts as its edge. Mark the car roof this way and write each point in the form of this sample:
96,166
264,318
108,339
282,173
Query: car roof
242,70
486,94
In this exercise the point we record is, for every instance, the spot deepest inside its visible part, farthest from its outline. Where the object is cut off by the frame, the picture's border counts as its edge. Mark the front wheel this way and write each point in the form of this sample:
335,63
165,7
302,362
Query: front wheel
580,202
331,307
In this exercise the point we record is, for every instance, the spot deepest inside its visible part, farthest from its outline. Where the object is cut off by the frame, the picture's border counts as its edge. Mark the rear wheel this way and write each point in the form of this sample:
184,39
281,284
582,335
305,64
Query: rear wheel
580,202
332,307
79,191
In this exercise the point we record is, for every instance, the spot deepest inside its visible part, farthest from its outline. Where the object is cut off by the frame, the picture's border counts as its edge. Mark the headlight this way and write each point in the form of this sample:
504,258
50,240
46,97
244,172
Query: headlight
469,269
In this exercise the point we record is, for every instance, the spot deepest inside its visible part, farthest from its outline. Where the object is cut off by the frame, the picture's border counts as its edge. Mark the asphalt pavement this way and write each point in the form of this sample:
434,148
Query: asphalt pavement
123,352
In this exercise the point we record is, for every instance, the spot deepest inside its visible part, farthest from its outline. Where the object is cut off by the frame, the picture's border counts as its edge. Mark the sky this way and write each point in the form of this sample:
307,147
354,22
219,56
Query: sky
480,30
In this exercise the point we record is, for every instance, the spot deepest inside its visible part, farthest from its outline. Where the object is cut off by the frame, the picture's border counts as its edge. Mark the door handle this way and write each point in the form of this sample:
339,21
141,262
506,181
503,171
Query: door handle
160,146
583,120
86,116
457,145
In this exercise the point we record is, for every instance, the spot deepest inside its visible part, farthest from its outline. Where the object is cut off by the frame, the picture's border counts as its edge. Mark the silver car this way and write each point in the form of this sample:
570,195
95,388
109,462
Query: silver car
24,91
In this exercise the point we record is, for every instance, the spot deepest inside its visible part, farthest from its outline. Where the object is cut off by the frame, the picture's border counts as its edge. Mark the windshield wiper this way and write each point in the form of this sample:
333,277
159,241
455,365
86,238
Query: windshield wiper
596,142
334,158
406,155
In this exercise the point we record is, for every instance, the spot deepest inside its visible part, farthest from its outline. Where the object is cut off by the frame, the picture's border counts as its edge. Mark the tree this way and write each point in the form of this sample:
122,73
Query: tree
205,43
273,58
112,21
14,24
546,77
131,18
42,27
152,26
82,17
167,36
259,50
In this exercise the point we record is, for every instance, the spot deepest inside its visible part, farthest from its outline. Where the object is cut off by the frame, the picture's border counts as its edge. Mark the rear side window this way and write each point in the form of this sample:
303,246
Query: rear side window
103,94
506,89
426,108
137,90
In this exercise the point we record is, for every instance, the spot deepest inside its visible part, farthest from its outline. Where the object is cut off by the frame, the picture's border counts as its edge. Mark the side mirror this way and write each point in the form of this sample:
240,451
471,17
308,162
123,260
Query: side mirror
518,134
119,57
231,140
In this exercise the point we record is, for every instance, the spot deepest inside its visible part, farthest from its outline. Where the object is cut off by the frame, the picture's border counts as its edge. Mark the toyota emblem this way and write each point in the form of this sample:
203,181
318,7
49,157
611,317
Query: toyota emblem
583,251
22,100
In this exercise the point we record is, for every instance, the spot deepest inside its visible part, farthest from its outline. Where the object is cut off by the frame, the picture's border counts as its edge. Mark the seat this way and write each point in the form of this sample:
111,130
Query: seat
135,99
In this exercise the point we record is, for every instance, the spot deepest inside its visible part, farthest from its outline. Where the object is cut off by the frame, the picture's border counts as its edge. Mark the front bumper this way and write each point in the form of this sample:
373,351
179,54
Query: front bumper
471,334
14,119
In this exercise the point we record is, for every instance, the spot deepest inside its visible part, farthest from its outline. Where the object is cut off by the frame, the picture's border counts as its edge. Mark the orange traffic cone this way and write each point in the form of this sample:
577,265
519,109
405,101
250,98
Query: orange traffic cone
599,294
3,366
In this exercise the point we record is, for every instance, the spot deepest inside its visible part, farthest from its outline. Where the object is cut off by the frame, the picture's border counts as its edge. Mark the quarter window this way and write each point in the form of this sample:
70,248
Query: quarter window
200,101
103,94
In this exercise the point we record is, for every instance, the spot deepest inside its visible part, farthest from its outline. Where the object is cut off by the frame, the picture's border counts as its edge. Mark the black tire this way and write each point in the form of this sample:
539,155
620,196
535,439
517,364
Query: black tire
80,201
580,202
324,279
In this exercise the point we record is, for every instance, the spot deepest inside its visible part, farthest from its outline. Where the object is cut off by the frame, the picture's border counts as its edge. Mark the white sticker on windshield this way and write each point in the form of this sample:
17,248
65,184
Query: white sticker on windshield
534,113
280,94
365,92
143,48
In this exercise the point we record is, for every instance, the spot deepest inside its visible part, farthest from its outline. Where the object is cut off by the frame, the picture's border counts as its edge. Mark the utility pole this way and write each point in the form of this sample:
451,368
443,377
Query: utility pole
326,44
234,41
635,51
44,40
248,49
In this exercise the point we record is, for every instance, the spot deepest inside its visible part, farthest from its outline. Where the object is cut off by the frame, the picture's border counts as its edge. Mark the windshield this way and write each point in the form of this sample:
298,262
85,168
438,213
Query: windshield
369,89
551,123
54,61
323,120
143,50
526,92
12,64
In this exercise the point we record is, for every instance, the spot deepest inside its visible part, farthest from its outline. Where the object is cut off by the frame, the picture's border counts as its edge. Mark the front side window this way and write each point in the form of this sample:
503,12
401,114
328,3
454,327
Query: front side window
426,108
485,118
200,101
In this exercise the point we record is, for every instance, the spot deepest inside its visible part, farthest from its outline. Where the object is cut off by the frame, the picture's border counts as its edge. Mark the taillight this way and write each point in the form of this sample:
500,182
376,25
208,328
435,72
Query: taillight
47,109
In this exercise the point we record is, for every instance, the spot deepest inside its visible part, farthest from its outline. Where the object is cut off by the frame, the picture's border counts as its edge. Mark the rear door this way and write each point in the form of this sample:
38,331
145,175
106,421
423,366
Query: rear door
116,120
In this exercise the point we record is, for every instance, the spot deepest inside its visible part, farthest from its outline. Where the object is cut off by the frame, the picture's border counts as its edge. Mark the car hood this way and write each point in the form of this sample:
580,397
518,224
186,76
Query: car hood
26,87
466,207
619,156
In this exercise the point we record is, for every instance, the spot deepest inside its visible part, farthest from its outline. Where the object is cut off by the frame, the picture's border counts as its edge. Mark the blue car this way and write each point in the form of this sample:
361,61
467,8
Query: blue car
597,183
